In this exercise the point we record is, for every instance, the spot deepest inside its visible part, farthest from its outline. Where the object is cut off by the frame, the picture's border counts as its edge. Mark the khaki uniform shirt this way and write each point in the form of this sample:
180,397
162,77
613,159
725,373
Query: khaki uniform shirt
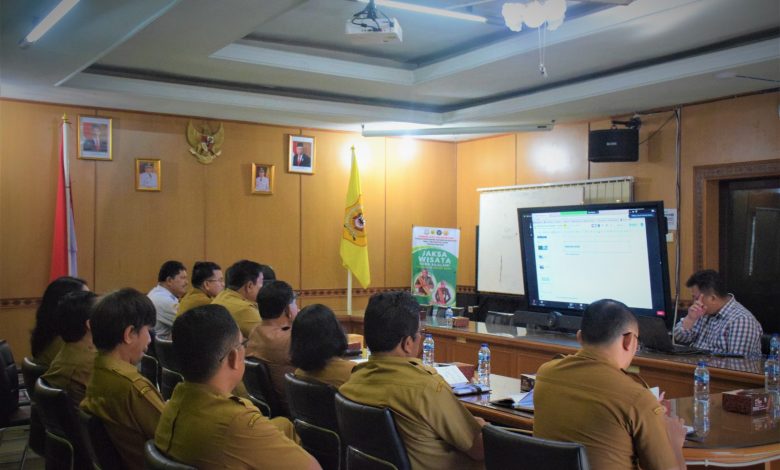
193,298
127,403
46,357
244,312
207,430
72,369
583,398
272,344
336,372
436,428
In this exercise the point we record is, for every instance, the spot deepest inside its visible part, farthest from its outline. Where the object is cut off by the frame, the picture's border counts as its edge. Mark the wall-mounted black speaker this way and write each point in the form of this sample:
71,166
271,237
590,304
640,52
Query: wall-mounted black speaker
613,145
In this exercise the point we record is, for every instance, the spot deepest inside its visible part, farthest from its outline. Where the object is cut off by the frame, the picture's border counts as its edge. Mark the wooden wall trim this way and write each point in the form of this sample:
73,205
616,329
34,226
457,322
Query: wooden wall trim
709,173
24,302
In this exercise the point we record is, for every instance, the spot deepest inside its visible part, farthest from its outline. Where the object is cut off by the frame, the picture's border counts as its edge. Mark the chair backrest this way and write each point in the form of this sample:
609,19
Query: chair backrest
37,437
9,383
170,379
506,449
104,455
66,439
257,380
150,369
31,371
313,409
165,355
370,435
156,460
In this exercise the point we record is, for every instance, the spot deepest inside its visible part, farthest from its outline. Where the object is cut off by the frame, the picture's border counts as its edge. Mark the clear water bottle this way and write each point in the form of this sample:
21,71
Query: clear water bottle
449,317
701,418
772,375
428,348
701,383
483,365
774,345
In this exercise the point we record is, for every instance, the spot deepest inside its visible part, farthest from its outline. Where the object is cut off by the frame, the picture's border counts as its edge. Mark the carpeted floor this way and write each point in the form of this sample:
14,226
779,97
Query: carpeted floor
12,442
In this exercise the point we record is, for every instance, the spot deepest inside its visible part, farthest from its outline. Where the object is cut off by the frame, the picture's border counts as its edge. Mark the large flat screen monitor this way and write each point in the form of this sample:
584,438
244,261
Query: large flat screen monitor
573,255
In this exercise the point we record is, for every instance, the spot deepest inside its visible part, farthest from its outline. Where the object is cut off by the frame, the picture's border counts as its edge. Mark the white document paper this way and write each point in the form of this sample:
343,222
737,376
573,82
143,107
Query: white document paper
451,374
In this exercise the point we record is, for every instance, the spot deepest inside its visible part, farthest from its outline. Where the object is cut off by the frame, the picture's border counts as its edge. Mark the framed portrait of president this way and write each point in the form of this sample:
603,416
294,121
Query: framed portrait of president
95,138
300,155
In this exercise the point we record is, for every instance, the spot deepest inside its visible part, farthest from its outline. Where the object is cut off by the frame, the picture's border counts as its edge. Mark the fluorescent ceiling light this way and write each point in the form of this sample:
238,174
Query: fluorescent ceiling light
458,130
428,10
50,20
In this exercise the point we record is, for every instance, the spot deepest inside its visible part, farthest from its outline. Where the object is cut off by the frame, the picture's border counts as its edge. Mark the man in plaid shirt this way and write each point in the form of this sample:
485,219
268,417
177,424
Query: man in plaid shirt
716,321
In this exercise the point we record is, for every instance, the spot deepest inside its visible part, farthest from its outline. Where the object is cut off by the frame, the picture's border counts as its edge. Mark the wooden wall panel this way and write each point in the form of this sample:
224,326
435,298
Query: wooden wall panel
557,155
16,324
421,189
481,164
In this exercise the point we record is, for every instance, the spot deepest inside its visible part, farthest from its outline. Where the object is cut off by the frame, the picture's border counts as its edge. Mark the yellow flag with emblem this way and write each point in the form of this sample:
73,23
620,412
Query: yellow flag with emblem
354,244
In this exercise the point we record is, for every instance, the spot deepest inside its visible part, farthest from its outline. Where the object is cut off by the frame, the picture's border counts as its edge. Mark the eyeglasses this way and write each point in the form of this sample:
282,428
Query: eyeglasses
242,344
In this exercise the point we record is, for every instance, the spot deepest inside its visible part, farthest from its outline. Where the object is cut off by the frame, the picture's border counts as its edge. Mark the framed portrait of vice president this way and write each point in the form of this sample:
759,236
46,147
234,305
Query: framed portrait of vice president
300,155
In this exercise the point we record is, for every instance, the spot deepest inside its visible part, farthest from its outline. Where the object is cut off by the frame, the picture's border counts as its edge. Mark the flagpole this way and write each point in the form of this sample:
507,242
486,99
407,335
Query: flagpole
69,222
349,292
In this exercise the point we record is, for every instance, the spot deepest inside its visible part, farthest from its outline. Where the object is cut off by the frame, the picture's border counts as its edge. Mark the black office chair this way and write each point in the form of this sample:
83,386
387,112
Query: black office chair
11,413
165,355
67,445
156,460
372,440
506,449
36,440
170,379
105,455
150,368
257,380
313,409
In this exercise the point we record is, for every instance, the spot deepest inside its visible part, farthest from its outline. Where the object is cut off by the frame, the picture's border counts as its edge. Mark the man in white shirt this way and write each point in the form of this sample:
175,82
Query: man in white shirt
171,286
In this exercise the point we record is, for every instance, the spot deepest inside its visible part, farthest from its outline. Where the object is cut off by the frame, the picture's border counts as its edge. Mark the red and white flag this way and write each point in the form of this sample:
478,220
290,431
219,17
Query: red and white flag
63,247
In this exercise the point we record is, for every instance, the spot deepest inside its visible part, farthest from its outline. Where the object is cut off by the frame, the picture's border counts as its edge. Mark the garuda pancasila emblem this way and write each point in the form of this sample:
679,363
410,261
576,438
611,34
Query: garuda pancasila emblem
205,145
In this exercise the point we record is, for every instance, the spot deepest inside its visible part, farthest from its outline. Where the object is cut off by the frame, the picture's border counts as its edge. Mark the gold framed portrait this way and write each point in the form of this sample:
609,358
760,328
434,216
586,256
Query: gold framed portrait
262,181
95,139
148,174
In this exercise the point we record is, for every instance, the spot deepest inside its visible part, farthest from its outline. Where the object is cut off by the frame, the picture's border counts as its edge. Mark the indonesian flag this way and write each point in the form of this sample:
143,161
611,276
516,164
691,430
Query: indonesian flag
63,246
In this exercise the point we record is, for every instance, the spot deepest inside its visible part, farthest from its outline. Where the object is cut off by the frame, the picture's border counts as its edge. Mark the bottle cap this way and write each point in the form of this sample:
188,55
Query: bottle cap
702,364
484,345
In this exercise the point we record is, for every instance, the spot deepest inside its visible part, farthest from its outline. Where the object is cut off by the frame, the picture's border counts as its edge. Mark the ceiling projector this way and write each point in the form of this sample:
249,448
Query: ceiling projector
374,30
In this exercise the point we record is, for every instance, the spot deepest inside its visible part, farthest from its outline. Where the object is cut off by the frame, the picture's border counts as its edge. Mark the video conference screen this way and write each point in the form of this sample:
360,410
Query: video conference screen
574,255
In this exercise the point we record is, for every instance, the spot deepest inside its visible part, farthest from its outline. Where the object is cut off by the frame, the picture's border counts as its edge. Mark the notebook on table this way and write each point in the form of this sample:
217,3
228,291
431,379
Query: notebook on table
459,383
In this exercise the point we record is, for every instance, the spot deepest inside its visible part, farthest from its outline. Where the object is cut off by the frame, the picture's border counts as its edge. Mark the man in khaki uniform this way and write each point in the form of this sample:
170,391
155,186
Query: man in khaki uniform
203,424
127,403
589,398
207,283
244,280
437,430
72,367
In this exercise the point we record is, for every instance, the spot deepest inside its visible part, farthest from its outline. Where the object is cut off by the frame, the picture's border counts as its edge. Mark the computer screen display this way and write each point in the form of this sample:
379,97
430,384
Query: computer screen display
573,255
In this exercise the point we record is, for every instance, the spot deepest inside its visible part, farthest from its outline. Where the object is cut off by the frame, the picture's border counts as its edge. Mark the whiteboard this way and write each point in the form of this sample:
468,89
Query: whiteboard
499,267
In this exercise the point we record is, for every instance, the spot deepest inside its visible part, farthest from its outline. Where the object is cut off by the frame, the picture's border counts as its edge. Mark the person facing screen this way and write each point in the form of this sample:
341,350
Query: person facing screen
317,344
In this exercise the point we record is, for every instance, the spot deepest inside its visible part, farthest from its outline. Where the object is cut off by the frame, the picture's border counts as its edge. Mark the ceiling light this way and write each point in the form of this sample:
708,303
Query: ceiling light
428,10
458,130
50,20
534,14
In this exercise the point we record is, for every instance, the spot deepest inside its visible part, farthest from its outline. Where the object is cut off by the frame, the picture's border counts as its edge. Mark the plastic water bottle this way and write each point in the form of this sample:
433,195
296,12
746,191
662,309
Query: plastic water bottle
774,345
701,383
428,348
772,375
449,317
483,365
701,418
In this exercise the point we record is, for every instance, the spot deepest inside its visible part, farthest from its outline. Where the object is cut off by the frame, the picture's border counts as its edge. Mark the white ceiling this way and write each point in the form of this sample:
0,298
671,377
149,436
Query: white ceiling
289,62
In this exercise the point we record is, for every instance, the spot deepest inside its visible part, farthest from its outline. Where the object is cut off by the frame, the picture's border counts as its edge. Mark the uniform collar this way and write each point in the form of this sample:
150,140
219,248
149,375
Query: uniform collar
107,361
235,295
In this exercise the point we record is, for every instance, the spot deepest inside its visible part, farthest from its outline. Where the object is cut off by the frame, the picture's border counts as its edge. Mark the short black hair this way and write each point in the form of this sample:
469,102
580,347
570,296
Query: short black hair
604,321
74,311
273,298
203,270
389,318
268,274
709,282
116,311
242,272
316,337
46,323
202,337
170,268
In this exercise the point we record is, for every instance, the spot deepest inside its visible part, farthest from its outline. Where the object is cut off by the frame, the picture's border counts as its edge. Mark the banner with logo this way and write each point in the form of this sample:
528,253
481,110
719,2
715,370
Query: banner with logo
435,264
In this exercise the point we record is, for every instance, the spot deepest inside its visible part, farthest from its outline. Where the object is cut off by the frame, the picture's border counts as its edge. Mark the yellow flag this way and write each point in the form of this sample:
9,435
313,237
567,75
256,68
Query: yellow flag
354,244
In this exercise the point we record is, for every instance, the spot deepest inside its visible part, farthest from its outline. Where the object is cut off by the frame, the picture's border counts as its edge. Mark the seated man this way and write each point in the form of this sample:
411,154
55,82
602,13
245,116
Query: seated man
589,398
207,283
171,286
72,367
125,401
203,424
437,430
716,321
270,340
244,280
